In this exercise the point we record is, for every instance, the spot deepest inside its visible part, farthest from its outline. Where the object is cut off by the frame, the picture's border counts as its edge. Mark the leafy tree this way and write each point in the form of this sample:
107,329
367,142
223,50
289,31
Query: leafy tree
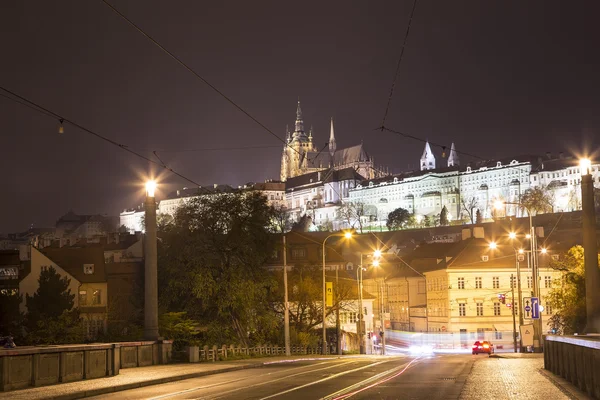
567,297
427,222
398,218
10,317
50,317
211,261
303,224
538,200
281,219
470,207
478,217
444,216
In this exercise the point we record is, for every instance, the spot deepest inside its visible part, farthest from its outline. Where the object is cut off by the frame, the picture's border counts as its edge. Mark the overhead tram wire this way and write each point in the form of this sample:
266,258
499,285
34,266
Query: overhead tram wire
43,110
387,108
197,75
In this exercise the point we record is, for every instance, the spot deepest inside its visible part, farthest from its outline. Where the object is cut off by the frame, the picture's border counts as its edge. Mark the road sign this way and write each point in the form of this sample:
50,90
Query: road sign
535,308
527,335
527,304
527,308
329,293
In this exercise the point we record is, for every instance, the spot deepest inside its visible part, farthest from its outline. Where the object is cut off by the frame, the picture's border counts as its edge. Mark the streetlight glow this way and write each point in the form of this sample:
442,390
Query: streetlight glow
498,204
521,251
348,235
493,245
512,235
150,188
377,253
585,166
528,236
544,250
376,263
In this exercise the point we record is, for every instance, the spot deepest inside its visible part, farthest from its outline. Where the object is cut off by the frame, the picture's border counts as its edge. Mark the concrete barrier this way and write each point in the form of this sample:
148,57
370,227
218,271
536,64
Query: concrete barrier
37,366
576,359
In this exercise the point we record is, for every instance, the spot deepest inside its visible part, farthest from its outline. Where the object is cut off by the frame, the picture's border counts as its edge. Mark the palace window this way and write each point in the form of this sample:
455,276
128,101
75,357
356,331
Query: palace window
461,283
462,309
496,282
480,309
478,282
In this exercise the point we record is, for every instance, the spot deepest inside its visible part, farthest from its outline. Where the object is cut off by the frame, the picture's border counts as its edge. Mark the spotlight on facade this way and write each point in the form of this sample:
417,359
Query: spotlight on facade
150,188
498,205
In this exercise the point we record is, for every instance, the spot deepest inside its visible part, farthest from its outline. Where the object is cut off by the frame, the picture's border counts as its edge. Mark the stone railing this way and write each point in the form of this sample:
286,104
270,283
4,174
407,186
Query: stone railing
576,359
36,366
215,353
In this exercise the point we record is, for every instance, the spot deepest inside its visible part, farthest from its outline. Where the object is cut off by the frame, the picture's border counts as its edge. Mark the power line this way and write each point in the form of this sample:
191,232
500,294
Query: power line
213,149
398,66
187,67
43,110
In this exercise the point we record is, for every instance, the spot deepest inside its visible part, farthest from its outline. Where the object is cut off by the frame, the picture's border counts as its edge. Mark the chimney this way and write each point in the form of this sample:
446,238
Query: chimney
548,155
478,232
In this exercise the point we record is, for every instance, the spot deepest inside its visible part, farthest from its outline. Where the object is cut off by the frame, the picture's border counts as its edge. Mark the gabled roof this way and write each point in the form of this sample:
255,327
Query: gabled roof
318,178
345,156
72,260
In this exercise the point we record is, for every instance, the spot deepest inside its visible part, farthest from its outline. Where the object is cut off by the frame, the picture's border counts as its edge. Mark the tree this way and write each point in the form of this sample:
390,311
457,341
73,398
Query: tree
470,207
427,221
567,297
398,218
281,219
352,213
478,217
303,224
444,216
50,317
538,200
10,317
211,265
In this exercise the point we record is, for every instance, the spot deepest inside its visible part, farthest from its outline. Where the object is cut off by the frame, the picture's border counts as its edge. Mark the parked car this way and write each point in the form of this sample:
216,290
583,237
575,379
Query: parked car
483,347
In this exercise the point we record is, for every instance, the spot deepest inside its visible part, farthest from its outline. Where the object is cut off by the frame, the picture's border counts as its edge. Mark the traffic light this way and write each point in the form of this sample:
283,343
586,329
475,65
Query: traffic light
502,298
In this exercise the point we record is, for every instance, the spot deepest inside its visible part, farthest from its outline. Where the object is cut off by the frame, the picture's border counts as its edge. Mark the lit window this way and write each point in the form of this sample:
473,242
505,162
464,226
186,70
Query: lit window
88,269
82,297
97,297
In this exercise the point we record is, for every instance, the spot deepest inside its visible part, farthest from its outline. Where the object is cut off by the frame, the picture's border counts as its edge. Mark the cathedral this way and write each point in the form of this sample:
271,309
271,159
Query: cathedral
300,155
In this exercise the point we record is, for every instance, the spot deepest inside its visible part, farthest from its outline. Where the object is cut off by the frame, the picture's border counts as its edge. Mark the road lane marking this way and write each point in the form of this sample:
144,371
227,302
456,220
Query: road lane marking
395,375
249,377
324,379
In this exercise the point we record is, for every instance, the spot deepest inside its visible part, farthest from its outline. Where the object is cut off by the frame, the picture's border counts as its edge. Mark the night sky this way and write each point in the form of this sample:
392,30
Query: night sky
499,78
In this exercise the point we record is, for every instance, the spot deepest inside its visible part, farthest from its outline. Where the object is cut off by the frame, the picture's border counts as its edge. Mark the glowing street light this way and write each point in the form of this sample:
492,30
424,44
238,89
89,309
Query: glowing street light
544,250
512,235
585,166
499,205
150,188
493,245
375,263
521,251
377,253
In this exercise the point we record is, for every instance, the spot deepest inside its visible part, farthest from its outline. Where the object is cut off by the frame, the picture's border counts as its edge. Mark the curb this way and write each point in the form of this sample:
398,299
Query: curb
565,386
150,382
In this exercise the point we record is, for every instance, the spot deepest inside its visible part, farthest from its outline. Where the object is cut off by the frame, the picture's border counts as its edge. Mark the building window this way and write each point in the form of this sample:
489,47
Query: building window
512,281
496,282
352,318
298,253
96,297
496,309
82,297
462,309
480,309
461,283
529,282
498,335
88,269
485,258
548,309
478,282
547,282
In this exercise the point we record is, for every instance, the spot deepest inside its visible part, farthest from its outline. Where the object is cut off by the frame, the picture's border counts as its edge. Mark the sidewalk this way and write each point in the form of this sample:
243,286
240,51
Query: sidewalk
516,376
130,378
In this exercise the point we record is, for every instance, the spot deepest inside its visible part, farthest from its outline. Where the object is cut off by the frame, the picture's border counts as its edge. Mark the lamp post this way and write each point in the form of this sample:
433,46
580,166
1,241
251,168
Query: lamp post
150,265
347,235
494,246
286,306
590,250
360,330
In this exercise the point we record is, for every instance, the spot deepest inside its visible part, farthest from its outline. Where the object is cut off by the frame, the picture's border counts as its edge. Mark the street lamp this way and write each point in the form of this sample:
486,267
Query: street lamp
359,278
493,246
150,266
347,235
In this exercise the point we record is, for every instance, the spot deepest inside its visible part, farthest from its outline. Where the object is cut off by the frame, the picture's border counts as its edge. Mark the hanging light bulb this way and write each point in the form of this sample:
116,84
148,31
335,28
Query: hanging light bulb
61,128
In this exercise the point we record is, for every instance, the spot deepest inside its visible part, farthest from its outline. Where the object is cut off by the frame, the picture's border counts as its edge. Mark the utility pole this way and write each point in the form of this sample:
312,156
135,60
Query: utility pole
360,330
338,342
286,313
150,266
382,321
512,289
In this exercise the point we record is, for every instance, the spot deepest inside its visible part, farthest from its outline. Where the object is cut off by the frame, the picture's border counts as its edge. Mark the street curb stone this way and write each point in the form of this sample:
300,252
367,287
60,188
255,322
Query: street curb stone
565,386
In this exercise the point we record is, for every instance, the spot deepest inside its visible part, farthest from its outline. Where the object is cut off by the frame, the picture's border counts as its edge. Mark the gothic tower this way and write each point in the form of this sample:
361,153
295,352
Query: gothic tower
453,158
294,151
332,145
427,159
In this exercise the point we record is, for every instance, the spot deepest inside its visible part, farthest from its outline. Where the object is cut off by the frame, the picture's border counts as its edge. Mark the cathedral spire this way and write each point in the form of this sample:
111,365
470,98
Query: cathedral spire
453,158
299,122
427,159
288,137
332,145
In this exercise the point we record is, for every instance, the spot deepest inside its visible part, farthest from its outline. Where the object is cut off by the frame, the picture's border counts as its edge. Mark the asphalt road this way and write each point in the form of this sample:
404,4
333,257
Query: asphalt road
393,377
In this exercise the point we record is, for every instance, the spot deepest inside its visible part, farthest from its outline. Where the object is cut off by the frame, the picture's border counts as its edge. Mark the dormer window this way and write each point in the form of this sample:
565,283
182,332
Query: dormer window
498,164
485,258
468,169
88,269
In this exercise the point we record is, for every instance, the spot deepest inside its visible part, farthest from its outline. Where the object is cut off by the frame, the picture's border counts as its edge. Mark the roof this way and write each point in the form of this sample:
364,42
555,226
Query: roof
72,260
345,156
199,191
9,257
318,178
